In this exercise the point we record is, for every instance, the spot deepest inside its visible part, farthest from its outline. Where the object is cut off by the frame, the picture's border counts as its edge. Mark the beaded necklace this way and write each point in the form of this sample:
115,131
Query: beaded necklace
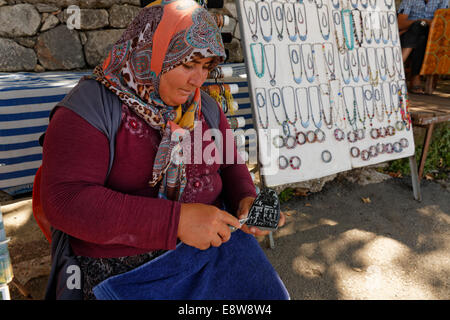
388,113
295,59
261,102
310,62
289,13
359,37
364,62
274,50
375,14
364,4
354,63
380,65
328,123
308,101
304,124
291,122
352,122
363,120
276,100
278,14
368,95
346,35
392,25
264,14
346,62
301,19
259,74
367,26
325,21
335,4
341,47
340,121
377,97
251,14
393,92
384,26
329,61
389,73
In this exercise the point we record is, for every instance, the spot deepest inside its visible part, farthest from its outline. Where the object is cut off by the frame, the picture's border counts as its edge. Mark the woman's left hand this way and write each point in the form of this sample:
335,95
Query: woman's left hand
242,212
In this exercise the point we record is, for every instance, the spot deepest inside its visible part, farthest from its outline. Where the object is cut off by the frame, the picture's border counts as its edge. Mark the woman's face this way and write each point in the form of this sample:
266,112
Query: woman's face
178,84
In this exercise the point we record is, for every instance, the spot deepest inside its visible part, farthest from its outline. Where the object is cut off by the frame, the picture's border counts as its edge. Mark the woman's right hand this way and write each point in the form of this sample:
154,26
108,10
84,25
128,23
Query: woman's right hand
202,225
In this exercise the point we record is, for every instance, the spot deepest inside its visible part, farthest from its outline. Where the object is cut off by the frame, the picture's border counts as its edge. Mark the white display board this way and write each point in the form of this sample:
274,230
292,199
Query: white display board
326,84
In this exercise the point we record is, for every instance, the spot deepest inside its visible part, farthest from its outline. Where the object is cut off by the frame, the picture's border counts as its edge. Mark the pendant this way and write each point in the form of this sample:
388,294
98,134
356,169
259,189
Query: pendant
273,82
255,37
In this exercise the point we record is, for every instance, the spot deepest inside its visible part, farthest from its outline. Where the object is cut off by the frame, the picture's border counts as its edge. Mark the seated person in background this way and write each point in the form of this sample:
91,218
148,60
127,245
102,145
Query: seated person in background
414,20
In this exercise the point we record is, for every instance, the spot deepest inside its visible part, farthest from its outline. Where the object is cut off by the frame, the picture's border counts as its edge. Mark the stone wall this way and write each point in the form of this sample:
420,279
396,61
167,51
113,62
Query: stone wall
50,35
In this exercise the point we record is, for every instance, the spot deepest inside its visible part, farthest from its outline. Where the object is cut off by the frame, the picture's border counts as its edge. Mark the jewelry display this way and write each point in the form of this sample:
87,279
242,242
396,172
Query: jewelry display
346,89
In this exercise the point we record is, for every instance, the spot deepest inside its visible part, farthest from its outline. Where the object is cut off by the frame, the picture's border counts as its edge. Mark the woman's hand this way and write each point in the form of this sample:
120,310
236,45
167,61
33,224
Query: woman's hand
202,225
242,212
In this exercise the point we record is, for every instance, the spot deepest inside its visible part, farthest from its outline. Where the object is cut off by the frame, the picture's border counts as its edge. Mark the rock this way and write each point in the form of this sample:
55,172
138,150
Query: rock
314,185
28,42
19,20
92,19
2,2
98,3
43,7
132,2
60,49
39,68
121,16
234,51
14,57
99,43
49,23
365,176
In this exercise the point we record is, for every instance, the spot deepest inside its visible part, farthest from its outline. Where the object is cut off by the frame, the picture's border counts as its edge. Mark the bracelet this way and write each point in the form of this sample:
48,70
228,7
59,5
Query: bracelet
339,135
303,141
398,147
293,144
360,134
278,138
308,136
291,162
399,125
375,133
388,148
404,143
390,131
365,155
380,148
373,152
320,135
286,162
351,136
383,132
326,156
354,152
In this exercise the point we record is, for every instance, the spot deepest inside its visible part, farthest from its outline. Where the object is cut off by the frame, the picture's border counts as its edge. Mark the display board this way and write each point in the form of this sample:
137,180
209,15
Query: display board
326,84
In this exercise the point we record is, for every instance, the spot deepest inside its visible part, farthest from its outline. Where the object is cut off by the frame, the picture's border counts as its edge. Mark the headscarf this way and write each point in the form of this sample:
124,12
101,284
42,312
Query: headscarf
164,35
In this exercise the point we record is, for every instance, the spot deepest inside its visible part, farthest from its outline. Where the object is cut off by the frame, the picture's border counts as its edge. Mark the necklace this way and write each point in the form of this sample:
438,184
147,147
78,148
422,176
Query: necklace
352,122
325,21
383,97
272,75
363,62
358,36
375,14
278,14
389,73
367,26
318,125
251,14
368,95
388,5
283,97
259,74
341,47
377,98
356,105
261,102
373,4
345,66
350,45
264,14
276,97
335,4
384,26
328,123
329,61
364,3
380,65
392,26
339,120
301,19
309,63
296,63
304,124
289,13
354,63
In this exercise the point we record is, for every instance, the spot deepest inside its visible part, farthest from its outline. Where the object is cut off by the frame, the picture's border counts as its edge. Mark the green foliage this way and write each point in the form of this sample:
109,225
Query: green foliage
286,195
438,158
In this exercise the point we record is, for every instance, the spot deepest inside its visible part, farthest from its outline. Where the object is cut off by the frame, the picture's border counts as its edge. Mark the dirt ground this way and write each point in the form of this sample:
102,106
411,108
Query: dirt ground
335,244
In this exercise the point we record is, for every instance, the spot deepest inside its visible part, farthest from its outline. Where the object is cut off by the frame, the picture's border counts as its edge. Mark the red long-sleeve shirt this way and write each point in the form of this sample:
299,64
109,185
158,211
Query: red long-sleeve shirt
119,214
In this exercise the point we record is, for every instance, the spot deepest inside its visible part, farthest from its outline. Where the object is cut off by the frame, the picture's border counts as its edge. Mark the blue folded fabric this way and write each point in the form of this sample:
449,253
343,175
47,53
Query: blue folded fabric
237,270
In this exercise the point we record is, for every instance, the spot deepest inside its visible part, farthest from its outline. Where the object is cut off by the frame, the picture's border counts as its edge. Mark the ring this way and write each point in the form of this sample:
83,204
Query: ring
303,141
320,135
351,136
308,136
286,162
278,138
291,162
292,145
354,152
339,134
326,156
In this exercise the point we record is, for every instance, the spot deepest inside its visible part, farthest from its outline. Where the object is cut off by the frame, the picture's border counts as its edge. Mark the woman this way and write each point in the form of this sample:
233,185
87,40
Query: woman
123,194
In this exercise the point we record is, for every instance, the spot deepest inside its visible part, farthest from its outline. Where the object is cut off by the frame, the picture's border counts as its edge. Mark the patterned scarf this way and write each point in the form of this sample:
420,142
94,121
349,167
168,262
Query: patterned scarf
165,34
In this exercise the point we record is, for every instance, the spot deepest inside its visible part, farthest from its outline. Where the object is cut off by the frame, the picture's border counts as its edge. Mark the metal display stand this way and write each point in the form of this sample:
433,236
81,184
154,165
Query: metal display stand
328,78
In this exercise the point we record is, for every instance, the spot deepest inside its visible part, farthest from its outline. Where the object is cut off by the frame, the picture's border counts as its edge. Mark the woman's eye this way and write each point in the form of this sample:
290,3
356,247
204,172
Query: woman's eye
187,66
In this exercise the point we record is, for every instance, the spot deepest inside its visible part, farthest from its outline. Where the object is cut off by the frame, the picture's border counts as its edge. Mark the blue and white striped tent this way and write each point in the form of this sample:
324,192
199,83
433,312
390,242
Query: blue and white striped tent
26,100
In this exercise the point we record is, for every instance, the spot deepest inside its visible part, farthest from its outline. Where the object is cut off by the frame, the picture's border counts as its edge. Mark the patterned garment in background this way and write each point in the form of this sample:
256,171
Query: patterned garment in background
418,9
437,54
